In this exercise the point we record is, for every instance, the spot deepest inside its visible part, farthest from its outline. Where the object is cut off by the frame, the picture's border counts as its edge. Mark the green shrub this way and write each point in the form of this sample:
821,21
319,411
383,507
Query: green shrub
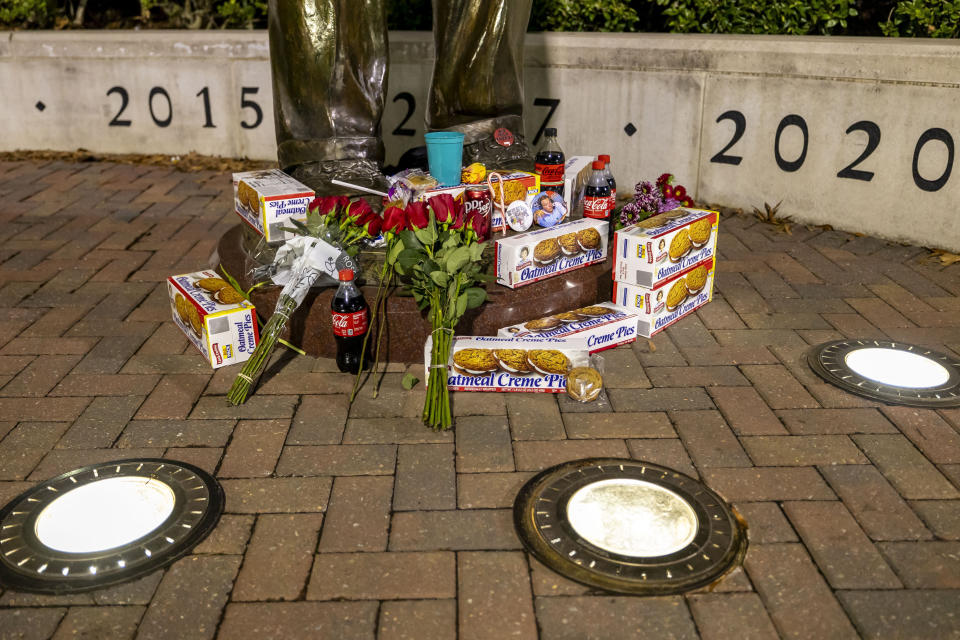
243,14
794,17
583,15
24,13
924,18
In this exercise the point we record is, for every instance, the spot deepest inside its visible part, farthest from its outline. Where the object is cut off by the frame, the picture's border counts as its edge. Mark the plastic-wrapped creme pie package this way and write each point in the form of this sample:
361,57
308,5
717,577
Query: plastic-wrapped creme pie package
656,249
266,200
214,316
603,325
537,255
533,365
670,300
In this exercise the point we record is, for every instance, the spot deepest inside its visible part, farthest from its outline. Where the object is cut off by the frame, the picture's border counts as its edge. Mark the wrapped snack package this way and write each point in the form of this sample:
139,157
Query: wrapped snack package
585,384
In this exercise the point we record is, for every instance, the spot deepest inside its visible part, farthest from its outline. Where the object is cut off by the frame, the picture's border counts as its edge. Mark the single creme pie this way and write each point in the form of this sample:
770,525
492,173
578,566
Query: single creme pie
677,294
588,239
696,279
475,361
546,251
513,360
680,245
700,231
568,244
549,361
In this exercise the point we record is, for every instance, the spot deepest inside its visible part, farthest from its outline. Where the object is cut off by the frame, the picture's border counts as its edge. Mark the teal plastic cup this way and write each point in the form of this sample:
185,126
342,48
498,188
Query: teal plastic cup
445,156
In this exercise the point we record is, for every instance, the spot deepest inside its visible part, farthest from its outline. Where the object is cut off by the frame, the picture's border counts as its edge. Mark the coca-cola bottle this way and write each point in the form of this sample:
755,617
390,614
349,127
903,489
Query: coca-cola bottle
549,162
608,173
350,323
596,197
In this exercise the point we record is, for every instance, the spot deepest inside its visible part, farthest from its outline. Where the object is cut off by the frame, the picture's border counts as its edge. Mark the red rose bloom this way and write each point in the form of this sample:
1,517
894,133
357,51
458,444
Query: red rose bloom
325,204
393,220
358,208
365,218
417,217
373,226
480,225
444,207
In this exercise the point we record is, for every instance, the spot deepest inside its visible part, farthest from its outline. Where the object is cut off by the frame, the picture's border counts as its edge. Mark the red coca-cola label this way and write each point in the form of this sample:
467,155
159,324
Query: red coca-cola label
596,207
348,325
550,174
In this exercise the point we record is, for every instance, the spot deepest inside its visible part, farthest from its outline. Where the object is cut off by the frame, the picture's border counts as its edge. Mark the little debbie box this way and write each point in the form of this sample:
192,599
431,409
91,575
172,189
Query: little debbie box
214,317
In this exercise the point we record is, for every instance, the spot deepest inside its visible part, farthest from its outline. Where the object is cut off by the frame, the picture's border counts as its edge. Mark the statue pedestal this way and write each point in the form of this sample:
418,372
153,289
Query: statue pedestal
407,328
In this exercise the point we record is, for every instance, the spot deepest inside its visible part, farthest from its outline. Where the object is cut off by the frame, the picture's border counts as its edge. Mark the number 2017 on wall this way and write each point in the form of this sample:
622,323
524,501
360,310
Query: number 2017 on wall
851,172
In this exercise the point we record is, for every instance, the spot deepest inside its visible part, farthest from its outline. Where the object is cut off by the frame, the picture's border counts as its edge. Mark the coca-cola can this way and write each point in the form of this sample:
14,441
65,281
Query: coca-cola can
477,198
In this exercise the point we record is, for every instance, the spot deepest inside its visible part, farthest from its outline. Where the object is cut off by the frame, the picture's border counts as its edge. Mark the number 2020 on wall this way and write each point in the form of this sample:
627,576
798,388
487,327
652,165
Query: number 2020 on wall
850,171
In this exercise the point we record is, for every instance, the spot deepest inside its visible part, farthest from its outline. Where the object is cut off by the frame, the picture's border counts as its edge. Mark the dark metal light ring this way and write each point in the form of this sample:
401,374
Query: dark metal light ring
540,518
828,361
27,564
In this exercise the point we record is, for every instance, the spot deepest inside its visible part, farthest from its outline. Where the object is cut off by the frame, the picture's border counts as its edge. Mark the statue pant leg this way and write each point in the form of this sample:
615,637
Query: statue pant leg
477,84
329,66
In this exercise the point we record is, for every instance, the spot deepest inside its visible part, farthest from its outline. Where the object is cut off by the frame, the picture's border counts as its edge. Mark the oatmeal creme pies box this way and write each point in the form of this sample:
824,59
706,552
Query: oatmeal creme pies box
603,325
214,316
658,248
670,300
532,365
266,200
529,257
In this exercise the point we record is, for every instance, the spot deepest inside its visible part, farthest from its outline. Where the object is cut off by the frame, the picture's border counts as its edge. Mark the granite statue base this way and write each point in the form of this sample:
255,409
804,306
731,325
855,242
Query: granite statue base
407,328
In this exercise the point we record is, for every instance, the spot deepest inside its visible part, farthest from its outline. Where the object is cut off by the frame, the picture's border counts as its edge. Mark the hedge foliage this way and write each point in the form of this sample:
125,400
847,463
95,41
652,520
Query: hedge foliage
908,18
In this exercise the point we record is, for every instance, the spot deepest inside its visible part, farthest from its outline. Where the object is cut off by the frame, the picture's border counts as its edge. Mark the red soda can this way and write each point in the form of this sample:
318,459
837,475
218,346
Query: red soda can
477,198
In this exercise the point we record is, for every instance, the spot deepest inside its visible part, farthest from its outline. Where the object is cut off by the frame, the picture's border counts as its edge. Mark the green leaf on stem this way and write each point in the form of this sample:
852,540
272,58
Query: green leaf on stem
427,235
394,251
407,260
439,277
475,297
476,251
409,381
409,240
457,259
461,305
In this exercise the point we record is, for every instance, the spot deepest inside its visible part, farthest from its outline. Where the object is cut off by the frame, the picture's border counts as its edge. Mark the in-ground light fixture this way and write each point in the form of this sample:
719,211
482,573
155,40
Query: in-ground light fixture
891,372
104,524
628,526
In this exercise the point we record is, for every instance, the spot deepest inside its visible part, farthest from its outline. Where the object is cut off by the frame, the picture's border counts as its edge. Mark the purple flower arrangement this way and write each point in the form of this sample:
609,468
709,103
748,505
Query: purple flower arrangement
651,199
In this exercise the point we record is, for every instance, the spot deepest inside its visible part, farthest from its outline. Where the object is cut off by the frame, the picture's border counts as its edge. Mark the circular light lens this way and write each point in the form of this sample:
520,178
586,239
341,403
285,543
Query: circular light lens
897,368
632,517
105,514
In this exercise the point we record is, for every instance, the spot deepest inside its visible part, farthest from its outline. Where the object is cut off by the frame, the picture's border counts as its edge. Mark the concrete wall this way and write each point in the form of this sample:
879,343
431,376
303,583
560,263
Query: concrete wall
856,133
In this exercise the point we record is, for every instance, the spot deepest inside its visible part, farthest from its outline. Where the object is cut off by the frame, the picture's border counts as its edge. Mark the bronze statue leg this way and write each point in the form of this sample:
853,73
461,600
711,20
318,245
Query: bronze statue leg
329,67
477,82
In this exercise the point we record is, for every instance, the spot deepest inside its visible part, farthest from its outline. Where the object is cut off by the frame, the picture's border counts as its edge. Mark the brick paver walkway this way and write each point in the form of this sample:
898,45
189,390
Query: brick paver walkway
358,522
